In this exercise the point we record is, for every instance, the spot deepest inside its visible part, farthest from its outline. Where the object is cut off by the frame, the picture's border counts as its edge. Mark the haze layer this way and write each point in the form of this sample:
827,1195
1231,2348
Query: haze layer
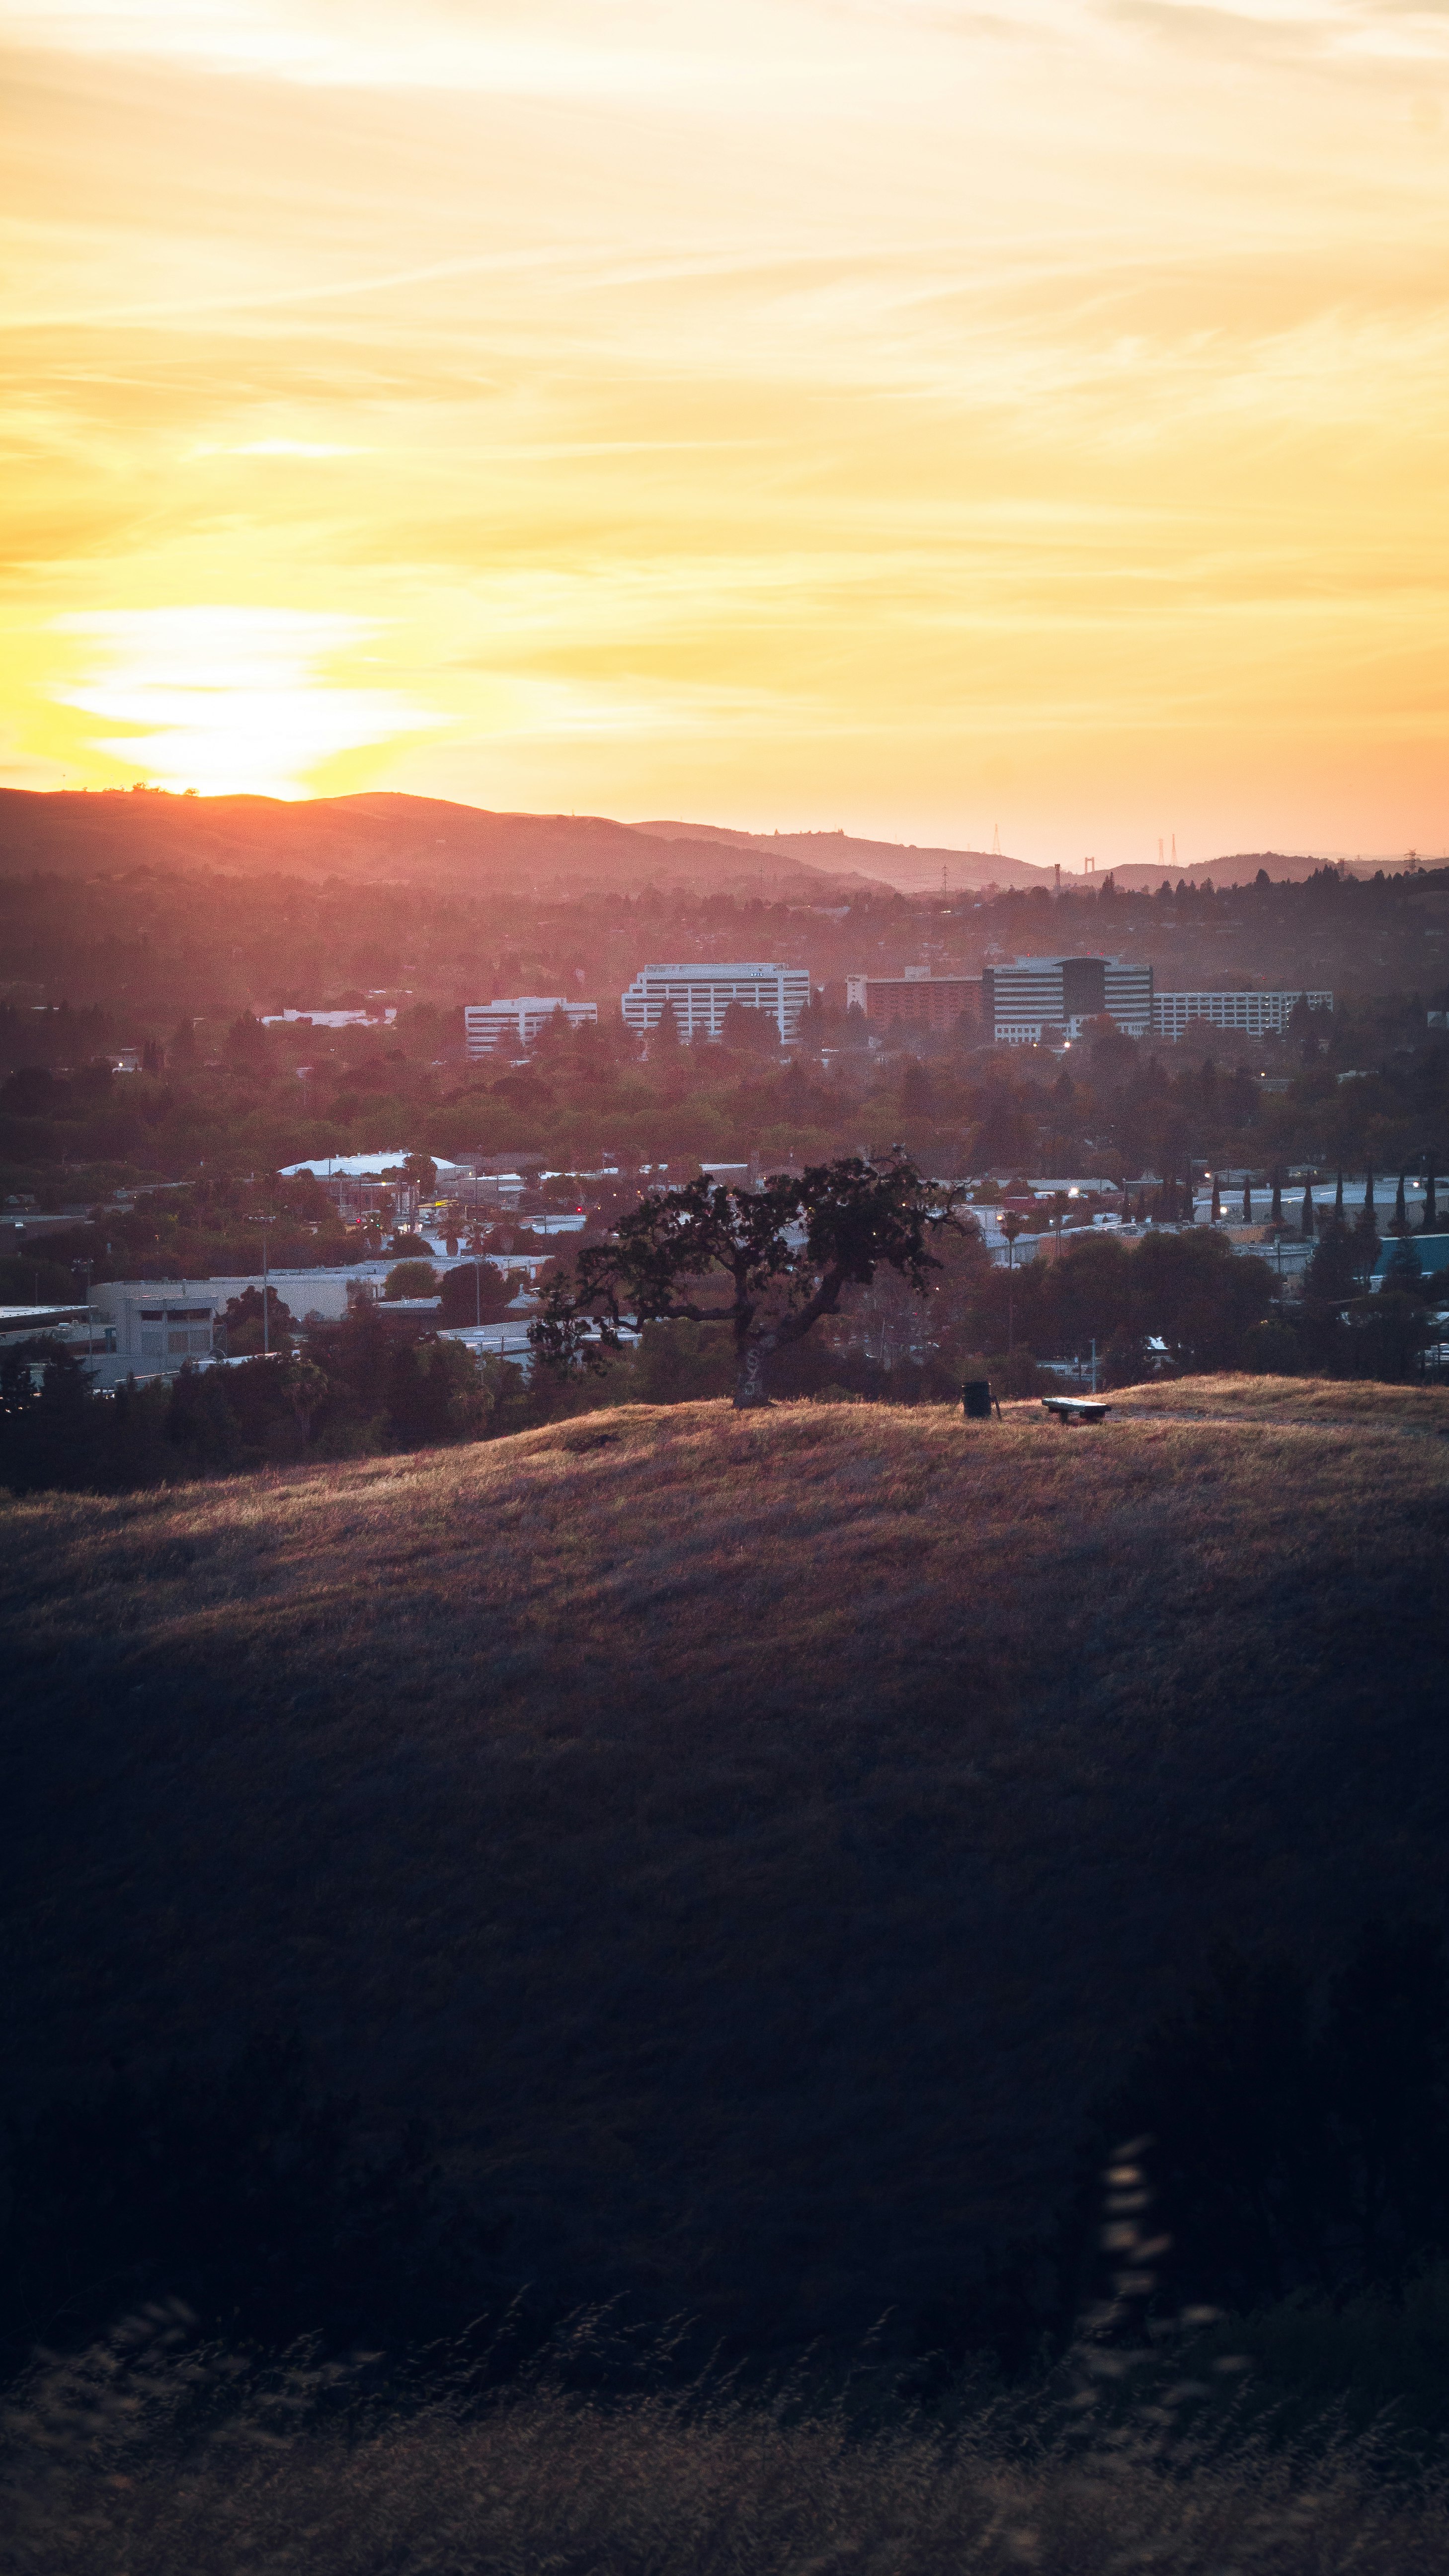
822,412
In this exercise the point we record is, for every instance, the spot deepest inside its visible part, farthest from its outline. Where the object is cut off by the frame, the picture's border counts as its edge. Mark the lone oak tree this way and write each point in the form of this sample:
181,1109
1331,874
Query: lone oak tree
767,1262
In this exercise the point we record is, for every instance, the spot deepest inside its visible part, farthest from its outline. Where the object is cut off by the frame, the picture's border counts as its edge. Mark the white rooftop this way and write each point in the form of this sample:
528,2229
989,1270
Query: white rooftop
348,1167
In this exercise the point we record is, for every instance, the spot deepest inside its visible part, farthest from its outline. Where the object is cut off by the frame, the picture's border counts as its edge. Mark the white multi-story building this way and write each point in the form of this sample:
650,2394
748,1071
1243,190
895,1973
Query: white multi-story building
517,1022
1033,995
155,1326
701,995
1250,1015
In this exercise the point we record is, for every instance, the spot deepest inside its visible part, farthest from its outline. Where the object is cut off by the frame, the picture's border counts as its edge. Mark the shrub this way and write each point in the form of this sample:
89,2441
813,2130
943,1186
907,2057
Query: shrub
1014,1373
1271,1349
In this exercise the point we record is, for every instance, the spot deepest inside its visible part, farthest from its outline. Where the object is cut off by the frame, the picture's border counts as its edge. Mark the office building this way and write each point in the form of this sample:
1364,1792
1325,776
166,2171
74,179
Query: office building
700,996
517,1022
1249,1015
916,1000
1037,997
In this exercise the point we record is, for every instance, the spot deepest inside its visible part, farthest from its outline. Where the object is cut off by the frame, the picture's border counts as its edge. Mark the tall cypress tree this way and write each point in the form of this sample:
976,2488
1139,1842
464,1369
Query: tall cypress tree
1331,1274
1399,1222
1431,1212
1247,1202
1275,1213
1217,1205
1189,1212
1305,1214
1365,1237
1338,1200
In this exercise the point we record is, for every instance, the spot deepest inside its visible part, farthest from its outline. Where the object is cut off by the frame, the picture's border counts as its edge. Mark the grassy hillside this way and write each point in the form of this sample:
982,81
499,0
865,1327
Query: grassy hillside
387,838
750,1841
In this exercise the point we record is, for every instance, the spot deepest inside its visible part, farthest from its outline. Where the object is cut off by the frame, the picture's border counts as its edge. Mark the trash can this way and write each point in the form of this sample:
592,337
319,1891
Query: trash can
976,1399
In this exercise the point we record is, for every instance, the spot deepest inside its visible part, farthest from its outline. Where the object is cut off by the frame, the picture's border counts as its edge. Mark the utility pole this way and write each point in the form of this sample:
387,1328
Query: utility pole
1011,1228
87,1267
266,1223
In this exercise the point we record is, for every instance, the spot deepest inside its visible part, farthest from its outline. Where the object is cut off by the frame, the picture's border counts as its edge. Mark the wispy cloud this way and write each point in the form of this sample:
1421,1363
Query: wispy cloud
749,402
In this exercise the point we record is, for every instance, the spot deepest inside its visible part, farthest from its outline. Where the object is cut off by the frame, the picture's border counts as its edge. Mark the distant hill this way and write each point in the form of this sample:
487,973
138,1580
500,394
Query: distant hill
1240,868
747,1841
901,863
388,838
385,838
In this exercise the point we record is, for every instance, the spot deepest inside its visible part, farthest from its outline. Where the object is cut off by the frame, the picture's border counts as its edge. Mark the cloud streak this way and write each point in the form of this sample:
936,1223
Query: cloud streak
891,412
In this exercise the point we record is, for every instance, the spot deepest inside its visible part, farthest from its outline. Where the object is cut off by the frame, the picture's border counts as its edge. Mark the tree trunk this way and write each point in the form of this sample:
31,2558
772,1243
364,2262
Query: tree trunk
750,1390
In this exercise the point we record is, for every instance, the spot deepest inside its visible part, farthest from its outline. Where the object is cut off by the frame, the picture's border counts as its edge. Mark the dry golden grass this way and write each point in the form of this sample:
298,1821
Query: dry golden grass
1286,1400
654,2487
749,1840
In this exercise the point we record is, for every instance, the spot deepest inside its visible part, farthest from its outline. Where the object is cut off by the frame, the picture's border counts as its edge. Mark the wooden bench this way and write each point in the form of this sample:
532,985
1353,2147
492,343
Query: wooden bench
1076,1408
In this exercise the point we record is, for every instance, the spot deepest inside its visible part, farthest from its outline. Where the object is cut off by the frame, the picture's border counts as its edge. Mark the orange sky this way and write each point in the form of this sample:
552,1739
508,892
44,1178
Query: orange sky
872,412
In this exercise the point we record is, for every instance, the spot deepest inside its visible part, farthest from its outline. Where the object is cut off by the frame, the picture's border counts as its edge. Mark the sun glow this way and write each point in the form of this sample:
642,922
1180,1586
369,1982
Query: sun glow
761,410
229,701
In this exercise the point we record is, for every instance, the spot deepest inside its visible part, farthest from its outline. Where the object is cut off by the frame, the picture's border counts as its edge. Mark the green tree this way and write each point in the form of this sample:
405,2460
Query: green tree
242,1322
434,1393
248,1045
748,1031
410,1279
766,1263
1365,1235
1403,1270
1330,1274
476,1293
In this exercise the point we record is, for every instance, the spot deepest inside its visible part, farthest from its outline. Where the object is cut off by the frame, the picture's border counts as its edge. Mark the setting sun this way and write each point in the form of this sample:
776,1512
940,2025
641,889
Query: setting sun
226,700
810,414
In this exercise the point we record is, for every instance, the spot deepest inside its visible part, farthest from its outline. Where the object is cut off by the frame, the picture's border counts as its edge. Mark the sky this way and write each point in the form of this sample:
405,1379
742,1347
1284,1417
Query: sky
924,419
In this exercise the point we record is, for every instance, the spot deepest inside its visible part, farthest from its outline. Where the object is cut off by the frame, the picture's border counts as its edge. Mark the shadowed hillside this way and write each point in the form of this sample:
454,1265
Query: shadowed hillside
900,863
750,1842
389,839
